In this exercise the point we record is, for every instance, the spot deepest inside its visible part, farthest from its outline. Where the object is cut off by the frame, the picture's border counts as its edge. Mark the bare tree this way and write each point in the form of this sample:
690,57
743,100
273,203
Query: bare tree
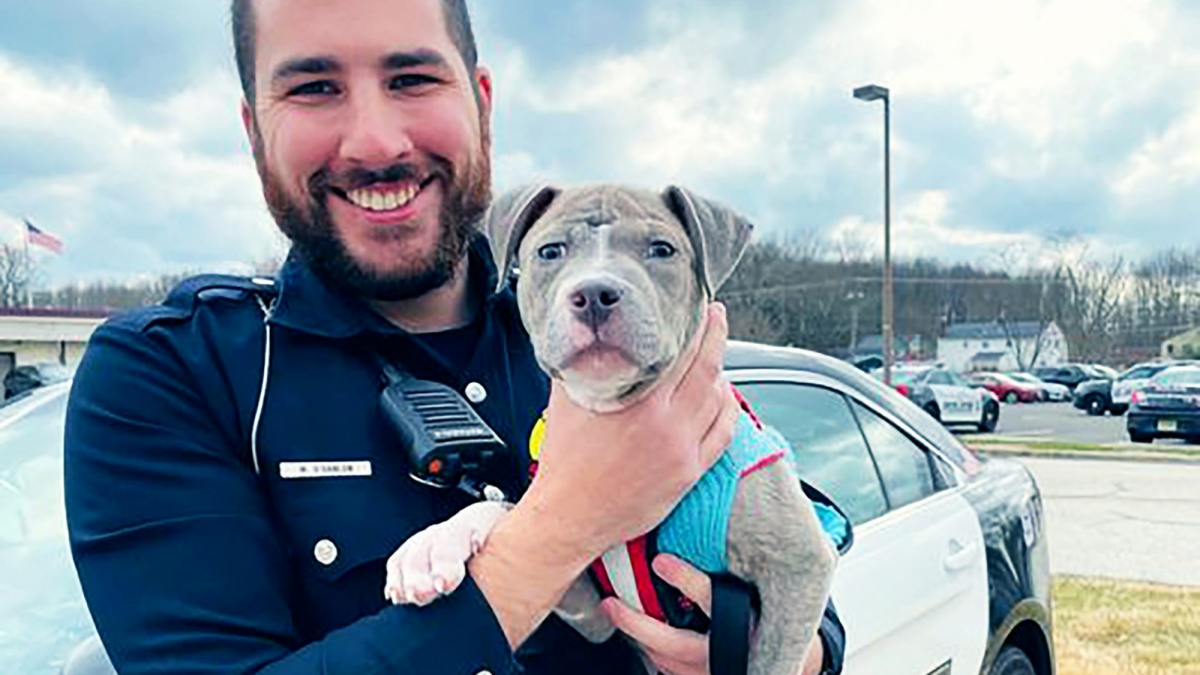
1089,296
16,274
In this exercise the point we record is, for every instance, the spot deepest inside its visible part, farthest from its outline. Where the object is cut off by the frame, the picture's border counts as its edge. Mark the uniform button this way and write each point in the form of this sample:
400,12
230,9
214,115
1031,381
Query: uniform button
484,672
476,393
325,552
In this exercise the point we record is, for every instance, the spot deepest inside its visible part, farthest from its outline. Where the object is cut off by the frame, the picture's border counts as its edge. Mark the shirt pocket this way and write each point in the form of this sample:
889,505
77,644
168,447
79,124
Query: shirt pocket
339,525
340,533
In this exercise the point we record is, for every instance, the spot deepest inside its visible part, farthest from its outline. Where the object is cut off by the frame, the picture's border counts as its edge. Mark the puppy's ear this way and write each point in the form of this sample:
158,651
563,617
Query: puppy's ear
509,219
718,234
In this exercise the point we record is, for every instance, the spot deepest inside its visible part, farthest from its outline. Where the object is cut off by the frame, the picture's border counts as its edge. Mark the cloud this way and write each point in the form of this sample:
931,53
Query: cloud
927,226
1025,107
1165,165
1013,124
140,49
132,194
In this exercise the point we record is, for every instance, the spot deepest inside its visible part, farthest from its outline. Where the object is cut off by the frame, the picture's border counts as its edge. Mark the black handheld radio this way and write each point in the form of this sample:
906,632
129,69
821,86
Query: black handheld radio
448,443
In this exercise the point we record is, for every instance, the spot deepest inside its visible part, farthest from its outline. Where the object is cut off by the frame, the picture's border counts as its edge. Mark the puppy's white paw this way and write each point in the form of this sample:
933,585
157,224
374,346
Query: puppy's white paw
433,562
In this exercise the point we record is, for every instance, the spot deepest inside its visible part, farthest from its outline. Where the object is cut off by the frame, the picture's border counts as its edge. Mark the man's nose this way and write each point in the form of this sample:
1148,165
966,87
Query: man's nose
378,134
593,302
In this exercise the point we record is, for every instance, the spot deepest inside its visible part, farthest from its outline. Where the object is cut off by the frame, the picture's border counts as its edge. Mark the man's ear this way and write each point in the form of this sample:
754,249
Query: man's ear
718,234
508,220
250,127
483,90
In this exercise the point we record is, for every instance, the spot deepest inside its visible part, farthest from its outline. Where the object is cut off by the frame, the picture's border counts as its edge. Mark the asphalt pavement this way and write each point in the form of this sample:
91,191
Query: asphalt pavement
1063,422
1122,520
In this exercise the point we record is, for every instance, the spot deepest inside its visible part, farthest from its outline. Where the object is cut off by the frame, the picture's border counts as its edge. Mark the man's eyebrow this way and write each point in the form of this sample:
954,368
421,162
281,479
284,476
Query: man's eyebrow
420,57
309,65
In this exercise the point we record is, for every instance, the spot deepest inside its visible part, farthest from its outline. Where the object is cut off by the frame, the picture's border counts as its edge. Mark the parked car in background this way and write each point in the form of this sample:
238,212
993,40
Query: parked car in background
1104,370
1168,406
1006,388
1069,375
1094,396
24,378
1135,378
947,396
1051,391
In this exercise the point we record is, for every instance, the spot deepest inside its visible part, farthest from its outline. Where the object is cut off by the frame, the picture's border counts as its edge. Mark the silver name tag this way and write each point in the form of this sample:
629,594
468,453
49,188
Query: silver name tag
323,469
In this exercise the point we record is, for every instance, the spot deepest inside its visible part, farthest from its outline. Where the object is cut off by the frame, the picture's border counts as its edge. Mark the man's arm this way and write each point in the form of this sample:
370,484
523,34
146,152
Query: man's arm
179,558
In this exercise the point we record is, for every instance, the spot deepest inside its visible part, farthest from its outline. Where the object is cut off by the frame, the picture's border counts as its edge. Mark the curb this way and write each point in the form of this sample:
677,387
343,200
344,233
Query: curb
1080,454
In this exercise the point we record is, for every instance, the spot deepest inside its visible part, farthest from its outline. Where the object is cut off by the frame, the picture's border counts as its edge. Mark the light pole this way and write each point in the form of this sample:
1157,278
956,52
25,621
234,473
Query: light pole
874,92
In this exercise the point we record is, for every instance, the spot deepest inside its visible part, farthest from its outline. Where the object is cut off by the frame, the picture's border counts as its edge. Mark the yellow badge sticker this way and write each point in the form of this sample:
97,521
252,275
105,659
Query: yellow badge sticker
536,437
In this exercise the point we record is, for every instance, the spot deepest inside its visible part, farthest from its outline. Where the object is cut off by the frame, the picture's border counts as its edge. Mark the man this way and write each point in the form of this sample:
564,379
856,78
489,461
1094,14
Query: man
233,488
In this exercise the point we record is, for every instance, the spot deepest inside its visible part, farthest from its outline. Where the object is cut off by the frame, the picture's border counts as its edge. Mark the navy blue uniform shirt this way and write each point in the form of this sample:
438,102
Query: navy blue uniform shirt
196,553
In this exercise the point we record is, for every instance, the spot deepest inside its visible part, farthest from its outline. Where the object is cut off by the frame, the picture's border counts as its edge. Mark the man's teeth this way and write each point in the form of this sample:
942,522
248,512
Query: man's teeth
376,200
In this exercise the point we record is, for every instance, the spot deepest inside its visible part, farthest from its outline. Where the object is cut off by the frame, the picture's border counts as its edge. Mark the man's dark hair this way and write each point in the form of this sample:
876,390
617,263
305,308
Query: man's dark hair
458,22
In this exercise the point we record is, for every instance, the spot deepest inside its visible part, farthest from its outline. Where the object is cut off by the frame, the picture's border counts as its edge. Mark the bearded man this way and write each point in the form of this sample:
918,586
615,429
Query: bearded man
233,487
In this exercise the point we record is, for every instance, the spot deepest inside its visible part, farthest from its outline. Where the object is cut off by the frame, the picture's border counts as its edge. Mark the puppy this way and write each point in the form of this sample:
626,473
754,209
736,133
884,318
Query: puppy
612,285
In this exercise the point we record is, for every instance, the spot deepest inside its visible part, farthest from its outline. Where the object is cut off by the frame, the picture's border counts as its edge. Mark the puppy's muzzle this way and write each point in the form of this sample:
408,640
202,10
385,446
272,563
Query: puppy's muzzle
594,301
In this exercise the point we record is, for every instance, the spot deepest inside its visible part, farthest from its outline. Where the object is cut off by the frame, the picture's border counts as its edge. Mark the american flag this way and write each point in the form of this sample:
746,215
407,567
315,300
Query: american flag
43,239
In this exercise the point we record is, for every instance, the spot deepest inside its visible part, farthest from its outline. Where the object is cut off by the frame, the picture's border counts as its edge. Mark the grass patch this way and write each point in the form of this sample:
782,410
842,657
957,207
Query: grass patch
1104,627
1061,446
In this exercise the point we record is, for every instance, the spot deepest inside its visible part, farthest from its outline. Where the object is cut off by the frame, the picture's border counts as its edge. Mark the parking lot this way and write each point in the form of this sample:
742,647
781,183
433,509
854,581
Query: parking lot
1065,423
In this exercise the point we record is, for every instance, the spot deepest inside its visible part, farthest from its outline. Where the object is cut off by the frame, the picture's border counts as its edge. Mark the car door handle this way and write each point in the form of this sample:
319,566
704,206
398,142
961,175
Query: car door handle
960,556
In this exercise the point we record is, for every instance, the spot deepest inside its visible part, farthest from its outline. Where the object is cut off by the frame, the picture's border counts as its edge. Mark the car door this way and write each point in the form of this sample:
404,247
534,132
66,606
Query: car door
970,398
953,400
912,592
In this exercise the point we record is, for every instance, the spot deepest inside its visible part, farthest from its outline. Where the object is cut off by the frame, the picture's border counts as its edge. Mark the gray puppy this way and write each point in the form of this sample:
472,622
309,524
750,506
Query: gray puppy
613,284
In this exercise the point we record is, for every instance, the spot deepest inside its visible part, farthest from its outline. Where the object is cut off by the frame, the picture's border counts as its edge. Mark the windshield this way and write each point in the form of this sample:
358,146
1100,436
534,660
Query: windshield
1189,377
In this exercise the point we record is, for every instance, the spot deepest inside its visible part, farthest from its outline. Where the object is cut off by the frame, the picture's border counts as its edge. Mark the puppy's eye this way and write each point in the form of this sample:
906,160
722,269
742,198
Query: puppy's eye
661,249
552,251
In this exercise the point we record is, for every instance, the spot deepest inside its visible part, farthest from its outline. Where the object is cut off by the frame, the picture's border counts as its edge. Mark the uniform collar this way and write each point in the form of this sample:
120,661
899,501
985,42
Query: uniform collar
309,305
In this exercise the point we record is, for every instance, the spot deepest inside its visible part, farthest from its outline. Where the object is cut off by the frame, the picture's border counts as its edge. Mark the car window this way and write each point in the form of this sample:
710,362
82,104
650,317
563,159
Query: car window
1139,373
829,447
1178,378
939,377
903,465
957,380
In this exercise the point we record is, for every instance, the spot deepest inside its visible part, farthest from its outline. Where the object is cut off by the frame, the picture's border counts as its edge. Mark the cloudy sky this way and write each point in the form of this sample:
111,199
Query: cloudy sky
1015,124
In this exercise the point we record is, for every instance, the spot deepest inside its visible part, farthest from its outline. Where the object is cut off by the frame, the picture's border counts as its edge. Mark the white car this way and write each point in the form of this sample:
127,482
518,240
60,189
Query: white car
947,396
948,571
1052,391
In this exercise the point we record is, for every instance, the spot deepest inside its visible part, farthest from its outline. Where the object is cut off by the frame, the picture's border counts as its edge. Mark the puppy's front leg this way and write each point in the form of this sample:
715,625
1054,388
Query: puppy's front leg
433,562
776,543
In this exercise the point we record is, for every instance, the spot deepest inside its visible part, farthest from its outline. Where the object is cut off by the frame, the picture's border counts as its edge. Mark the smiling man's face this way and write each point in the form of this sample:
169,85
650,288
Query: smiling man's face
371,137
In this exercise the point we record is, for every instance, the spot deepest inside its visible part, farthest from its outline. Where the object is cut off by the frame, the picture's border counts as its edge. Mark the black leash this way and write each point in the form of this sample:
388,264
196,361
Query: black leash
733,612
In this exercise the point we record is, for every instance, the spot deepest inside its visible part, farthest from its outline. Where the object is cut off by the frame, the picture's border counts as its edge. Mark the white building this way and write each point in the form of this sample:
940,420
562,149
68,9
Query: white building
29,336
1003,346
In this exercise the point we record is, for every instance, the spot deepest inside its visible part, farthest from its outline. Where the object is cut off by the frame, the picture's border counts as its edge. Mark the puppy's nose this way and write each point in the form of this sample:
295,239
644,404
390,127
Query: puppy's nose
594,301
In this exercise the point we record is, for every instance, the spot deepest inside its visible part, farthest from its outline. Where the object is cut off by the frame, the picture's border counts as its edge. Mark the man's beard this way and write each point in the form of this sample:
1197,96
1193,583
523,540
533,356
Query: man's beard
314,238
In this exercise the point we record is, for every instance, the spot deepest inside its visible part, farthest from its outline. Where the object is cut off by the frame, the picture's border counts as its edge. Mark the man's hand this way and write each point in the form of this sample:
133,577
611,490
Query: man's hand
606,478
682,652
